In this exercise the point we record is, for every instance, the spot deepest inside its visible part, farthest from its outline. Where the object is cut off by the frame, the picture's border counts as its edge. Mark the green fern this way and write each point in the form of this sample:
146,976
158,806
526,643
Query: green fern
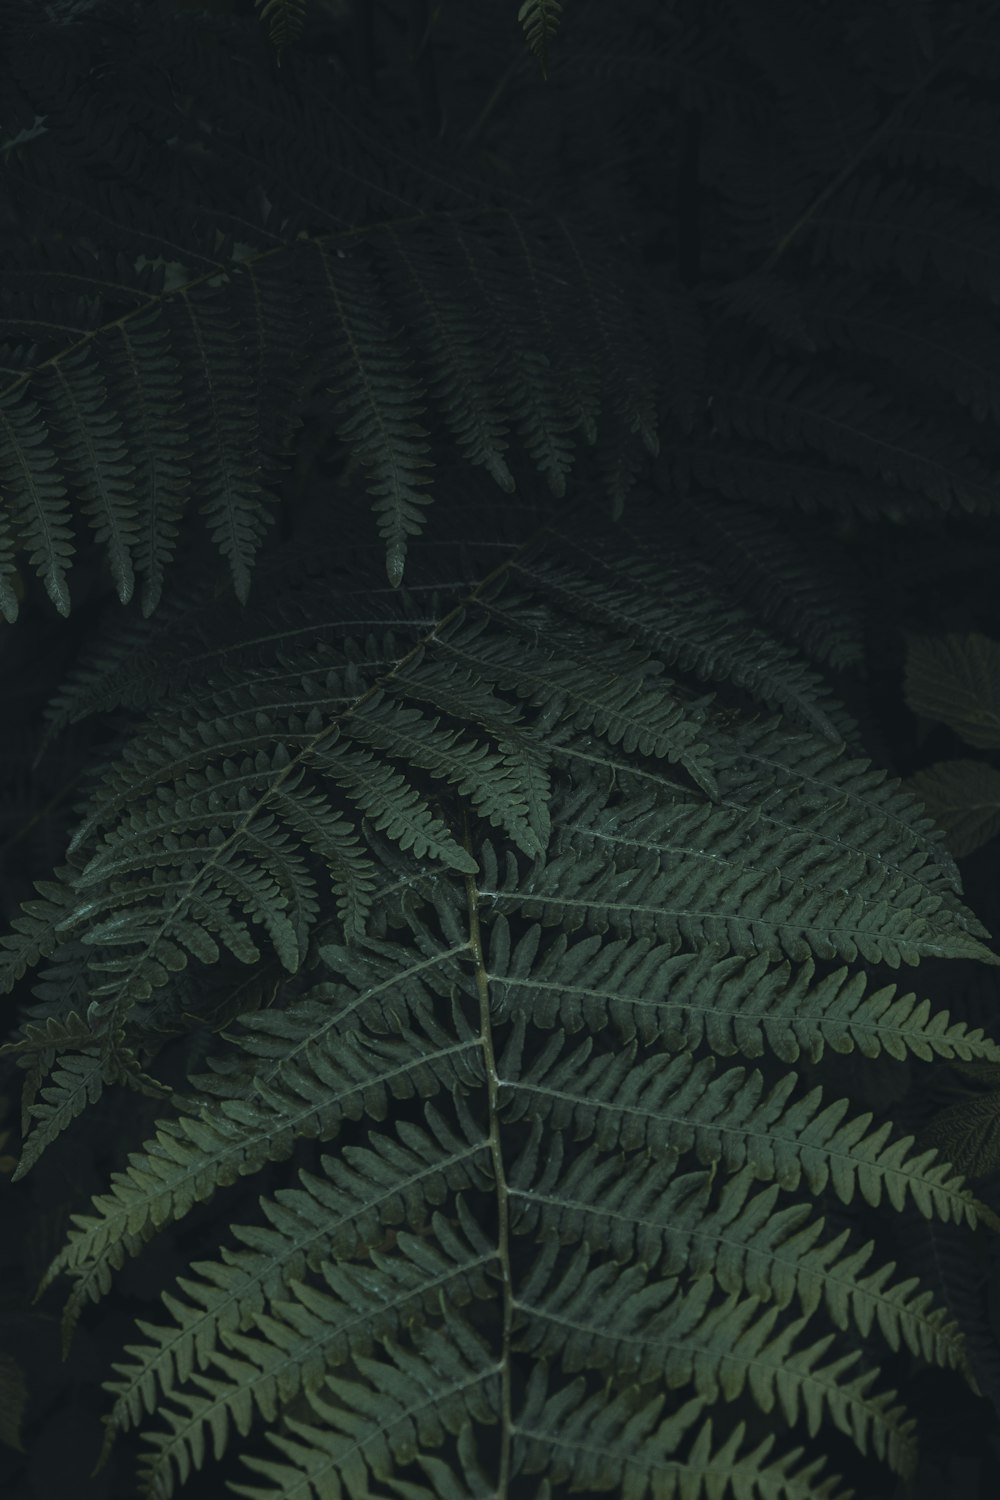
643,893
540,21
200,432
284,20
511,885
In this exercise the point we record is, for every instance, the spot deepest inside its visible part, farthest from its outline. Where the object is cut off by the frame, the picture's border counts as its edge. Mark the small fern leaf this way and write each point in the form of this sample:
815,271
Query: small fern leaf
149,391
35,930
626,385
491,785
11,587
454,348
226,465
79,1079
393,805
376,401
336,844
94,455
540,22
967,1133
33,488
531,386
284,20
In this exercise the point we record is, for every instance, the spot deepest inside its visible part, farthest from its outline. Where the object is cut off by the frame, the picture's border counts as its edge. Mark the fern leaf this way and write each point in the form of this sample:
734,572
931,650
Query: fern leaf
95,458
939,344
313,1328
530,384
79,1080
376,403
870,225
540,22
35,931
343,1213
284,20
225,474
455,350
746,1005
857,426
14,1394
627,382
588,1439
648,1212
963,798
625,1105
648,1330
150,395
37,496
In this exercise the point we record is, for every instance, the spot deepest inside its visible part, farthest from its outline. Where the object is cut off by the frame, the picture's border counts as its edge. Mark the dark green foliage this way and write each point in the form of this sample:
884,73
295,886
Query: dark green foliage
485,870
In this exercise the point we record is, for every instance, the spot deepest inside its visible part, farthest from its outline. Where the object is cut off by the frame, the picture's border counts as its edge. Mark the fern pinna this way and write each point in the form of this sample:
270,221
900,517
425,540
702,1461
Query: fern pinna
478,918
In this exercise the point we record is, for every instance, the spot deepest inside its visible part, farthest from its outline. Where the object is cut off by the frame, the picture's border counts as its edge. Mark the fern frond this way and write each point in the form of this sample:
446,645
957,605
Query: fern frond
494,941
40,508
290,1348
35,930
956,679
344,1213
284,20
938,343
458,356
618,866
375,401
648,1330
589,1439
215,1142
232,500
540,22
650,1213
408,1402
748,1005
624,1104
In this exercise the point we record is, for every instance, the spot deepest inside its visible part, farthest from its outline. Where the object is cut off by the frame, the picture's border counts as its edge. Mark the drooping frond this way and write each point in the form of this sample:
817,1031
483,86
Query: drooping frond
540,20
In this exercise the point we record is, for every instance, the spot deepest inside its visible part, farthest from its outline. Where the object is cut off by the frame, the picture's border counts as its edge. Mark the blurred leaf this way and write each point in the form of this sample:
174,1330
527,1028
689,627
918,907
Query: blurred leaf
956,679
963,798
968,1134
13,1399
